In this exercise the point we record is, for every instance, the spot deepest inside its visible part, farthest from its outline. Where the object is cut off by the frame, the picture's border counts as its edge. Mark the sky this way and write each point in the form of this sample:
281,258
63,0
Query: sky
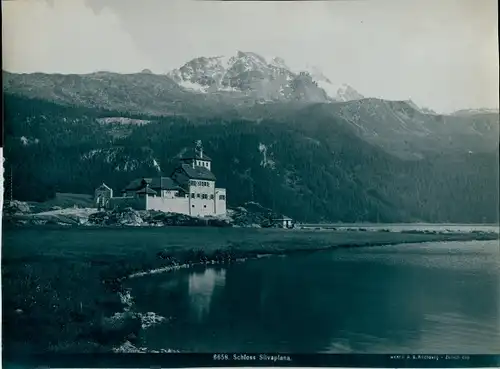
441,54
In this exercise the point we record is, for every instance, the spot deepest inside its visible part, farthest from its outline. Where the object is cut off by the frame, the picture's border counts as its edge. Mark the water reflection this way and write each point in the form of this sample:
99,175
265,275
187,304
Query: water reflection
408,298
201,288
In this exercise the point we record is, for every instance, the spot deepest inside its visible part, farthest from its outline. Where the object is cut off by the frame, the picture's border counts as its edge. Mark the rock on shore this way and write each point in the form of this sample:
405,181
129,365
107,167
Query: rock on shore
131,217
16,208
250,214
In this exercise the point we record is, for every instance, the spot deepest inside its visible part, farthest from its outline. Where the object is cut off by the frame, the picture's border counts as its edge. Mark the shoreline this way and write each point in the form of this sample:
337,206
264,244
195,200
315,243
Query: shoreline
128,300
88,279
237,217
244,256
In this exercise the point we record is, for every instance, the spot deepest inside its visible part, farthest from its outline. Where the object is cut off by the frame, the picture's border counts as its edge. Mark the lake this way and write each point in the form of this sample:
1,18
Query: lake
418,298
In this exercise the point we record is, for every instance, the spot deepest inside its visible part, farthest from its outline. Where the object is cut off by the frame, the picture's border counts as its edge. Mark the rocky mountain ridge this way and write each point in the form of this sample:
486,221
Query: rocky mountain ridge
469,112
400,127
252,75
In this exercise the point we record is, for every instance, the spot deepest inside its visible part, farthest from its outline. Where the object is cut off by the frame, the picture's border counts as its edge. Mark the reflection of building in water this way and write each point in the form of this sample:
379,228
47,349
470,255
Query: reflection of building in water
201,289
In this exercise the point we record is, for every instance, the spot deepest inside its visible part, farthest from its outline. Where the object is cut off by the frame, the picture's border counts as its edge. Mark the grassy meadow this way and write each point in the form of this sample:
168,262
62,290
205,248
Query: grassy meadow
60,284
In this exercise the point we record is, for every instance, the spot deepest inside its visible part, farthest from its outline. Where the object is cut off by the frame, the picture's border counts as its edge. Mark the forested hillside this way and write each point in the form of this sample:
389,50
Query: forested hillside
310,169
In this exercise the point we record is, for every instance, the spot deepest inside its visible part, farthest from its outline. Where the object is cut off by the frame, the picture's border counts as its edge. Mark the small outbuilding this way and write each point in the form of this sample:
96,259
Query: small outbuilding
102,195
284,222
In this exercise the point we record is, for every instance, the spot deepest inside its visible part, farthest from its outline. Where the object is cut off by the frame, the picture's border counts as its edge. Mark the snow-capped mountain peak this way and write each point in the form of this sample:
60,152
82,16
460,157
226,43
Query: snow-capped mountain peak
252,75
203,73
316,73
225,61
278,62
336,91
251,58
347,93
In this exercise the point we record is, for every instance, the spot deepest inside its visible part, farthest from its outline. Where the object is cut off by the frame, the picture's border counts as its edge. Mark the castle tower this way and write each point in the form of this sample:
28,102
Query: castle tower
196,158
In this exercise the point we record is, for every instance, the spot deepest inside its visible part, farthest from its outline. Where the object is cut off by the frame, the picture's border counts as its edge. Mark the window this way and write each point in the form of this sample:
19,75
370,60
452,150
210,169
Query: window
211,197
193,195
198,195
222,197
204,196
205,206
192,206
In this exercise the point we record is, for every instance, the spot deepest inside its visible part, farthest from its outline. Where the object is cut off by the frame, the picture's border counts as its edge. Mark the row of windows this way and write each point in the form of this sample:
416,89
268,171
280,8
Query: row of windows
205,196
200,183
202,163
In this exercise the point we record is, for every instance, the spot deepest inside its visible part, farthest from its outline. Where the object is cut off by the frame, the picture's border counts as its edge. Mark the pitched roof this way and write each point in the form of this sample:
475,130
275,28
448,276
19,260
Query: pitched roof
104,186
164,183
157,183
282,218
198,172
147,190
192,154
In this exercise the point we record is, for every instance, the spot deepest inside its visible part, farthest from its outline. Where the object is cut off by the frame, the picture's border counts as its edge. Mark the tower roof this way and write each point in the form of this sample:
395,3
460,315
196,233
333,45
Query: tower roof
193,154
198,172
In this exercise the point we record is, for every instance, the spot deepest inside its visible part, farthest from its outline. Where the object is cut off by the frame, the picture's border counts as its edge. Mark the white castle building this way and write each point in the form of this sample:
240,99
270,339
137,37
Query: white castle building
189,190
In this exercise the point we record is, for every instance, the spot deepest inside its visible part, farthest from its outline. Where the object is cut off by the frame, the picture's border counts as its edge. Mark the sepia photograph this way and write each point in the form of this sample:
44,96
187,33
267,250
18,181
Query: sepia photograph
252,180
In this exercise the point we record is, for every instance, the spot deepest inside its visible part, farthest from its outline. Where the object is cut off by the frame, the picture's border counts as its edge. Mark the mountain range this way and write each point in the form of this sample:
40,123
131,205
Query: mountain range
291,140
252,75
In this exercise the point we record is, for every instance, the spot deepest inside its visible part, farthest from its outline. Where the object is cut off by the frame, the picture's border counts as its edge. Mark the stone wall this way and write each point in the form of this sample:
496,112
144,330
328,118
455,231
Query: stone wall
137,203
202,207
169,205
203,200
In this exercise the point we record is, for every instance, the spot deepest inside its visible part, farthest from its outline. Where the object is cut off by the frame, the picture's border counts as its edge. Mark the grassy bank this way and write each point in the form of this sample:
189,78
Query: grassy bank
60,286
